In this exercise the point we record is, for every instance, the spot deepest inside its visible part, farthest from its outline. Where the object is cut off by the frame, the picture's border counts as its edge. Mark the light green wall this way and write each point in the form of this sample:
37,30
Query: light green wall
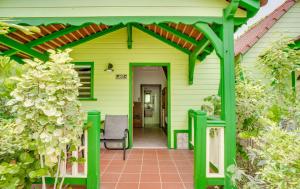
287,26
79,8
113,95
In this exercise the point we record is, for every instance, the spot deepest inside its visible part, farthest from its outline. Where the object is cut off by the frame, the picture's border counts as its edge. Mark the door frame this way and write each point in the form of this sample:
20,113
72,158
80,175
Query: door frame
145,64
142,99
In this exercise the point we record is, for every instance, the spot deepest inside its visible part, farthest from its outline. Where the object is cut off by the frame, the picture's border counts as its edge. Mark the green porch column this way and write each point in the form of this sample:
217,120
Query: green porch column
228,95
200,124
93,172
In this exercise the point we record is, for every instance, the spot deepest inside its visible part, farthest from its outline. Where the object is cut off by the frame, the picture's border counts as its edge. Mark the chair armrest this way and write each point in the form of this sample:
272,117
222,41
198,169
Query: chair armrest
102,131
126,133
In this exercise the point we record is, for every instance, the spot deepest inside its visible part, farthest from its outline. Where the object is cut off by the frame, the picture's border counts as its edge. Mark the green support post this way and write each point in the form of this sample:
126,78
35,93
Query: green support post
294,81
200,123
228,113
129,36
190,122
93,172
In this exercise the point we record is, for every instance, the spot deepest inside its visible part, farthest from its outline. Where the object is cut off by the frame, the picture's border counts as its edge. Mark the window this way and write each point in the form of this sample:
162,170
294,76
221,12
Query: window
86,74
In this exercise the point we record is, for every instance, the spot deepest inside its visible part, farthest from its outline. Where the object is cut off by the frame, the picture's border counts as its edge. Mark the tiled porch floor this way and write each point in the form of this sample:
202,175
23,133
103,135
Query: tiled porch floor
147,169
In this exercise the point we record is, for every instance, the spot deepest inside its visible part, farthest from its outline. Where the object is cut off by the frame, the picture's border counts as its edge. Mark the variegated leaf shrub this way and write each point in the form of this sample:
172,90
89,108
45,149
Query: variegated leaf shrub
48,120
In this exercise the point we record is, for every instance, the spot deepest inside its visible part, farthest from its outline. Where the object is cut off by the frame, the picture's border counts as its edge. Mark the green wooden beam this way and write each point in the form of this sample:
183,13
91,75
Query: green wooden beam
129,36
22,48
252,6
193,58
153,34
212,36
92,36
231,9
48,38
179,34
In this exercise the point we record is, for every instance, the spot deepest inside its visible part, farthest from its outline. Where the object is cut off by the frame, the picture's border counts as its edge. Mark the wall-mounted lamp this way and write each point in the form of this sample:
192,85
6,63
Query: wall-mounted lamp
109,68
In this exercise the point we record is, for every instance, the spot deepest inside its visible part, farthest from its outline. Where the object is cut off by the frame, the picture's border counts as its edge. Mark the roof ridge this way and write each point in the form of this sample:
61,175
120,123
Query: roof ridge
253,34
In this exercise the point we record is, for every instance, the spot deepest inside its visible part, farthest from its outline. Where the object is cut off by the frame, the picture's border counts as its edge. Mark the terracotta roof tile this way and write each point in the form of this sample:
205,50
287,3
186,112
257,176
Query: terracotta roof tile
249,38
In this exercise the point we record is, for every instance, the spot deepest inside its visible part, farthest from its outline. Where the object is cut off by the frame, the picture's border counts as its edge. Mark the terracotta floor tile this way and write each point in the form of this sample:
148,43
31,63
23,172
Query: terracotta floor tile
166,162
110,177
107,186
185,169
130,177
150,162
150,185
150,178
188,178
167,169
114,169
150,169
132,169
189,185
173,186
134,162
146,169
127,186
170,177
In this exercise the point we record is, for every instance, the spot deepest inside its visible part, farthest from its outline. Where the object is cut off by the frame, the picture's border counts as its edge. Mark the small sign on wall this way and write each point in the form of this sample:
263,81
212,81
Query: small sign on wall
121,76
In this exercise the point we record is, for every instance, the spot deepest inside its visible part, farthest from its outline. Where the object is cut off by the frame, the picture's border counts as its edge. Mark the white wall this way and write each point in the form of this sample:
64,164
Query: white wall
149,75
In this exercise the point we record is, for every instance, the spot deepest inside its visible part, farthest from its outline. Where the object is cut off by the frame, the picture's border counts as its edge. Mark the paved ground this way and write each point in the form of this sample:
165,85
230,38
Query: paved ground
147,169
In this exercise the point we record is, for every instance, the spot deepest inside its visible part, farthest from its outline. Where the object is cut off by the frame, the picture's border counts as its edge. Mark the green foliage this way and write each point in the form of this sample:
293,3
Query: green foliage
45,99
277,156
212,105
278,62
8,68
273,111
47,118
268,122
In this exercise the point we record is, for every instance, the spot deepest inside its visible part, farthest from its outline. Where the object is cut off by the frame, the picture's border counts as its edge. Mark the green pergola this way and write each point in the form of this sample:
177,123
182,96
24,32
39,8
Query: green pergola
217,34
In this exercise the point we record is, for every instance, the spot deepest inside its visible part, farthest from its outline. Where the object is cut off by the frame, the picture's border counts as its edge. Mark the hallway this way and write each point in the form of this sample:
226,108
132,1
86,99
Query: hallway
149,137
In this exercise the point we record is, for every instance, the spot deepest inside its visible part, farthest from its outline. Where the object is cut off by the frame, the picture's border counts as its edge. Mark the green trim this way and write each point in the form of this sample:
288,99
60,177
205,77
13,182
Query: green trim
48,38
129,36
193,58
87,99
216,182
231,9
179,34
175,135
22,48
200,124
73,181
93,36
212,36
91,98
155,35
93,159
113,20
252,6
137,64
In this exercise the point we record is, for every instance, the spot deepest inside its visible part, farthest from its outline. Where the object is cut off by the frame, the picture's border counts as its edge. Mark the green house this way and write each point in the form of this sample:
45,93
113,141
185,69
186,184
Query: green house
154,61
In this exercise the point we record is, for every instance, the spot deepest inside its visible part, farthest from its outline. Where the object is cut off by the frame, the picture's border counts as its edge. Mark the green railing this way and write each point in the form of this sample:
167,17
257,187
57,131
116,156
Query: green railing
200,127
90,177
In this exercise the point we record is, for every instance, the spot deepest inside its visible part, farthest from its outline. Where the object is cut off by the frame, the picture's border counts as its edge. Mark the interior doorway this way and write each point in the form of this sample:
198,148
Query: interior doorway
149,109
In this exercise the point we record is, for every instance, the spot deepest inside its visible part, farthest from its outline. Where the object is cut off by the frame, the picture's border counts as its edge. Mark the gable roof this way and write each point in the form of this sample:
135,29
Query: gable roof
249,38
